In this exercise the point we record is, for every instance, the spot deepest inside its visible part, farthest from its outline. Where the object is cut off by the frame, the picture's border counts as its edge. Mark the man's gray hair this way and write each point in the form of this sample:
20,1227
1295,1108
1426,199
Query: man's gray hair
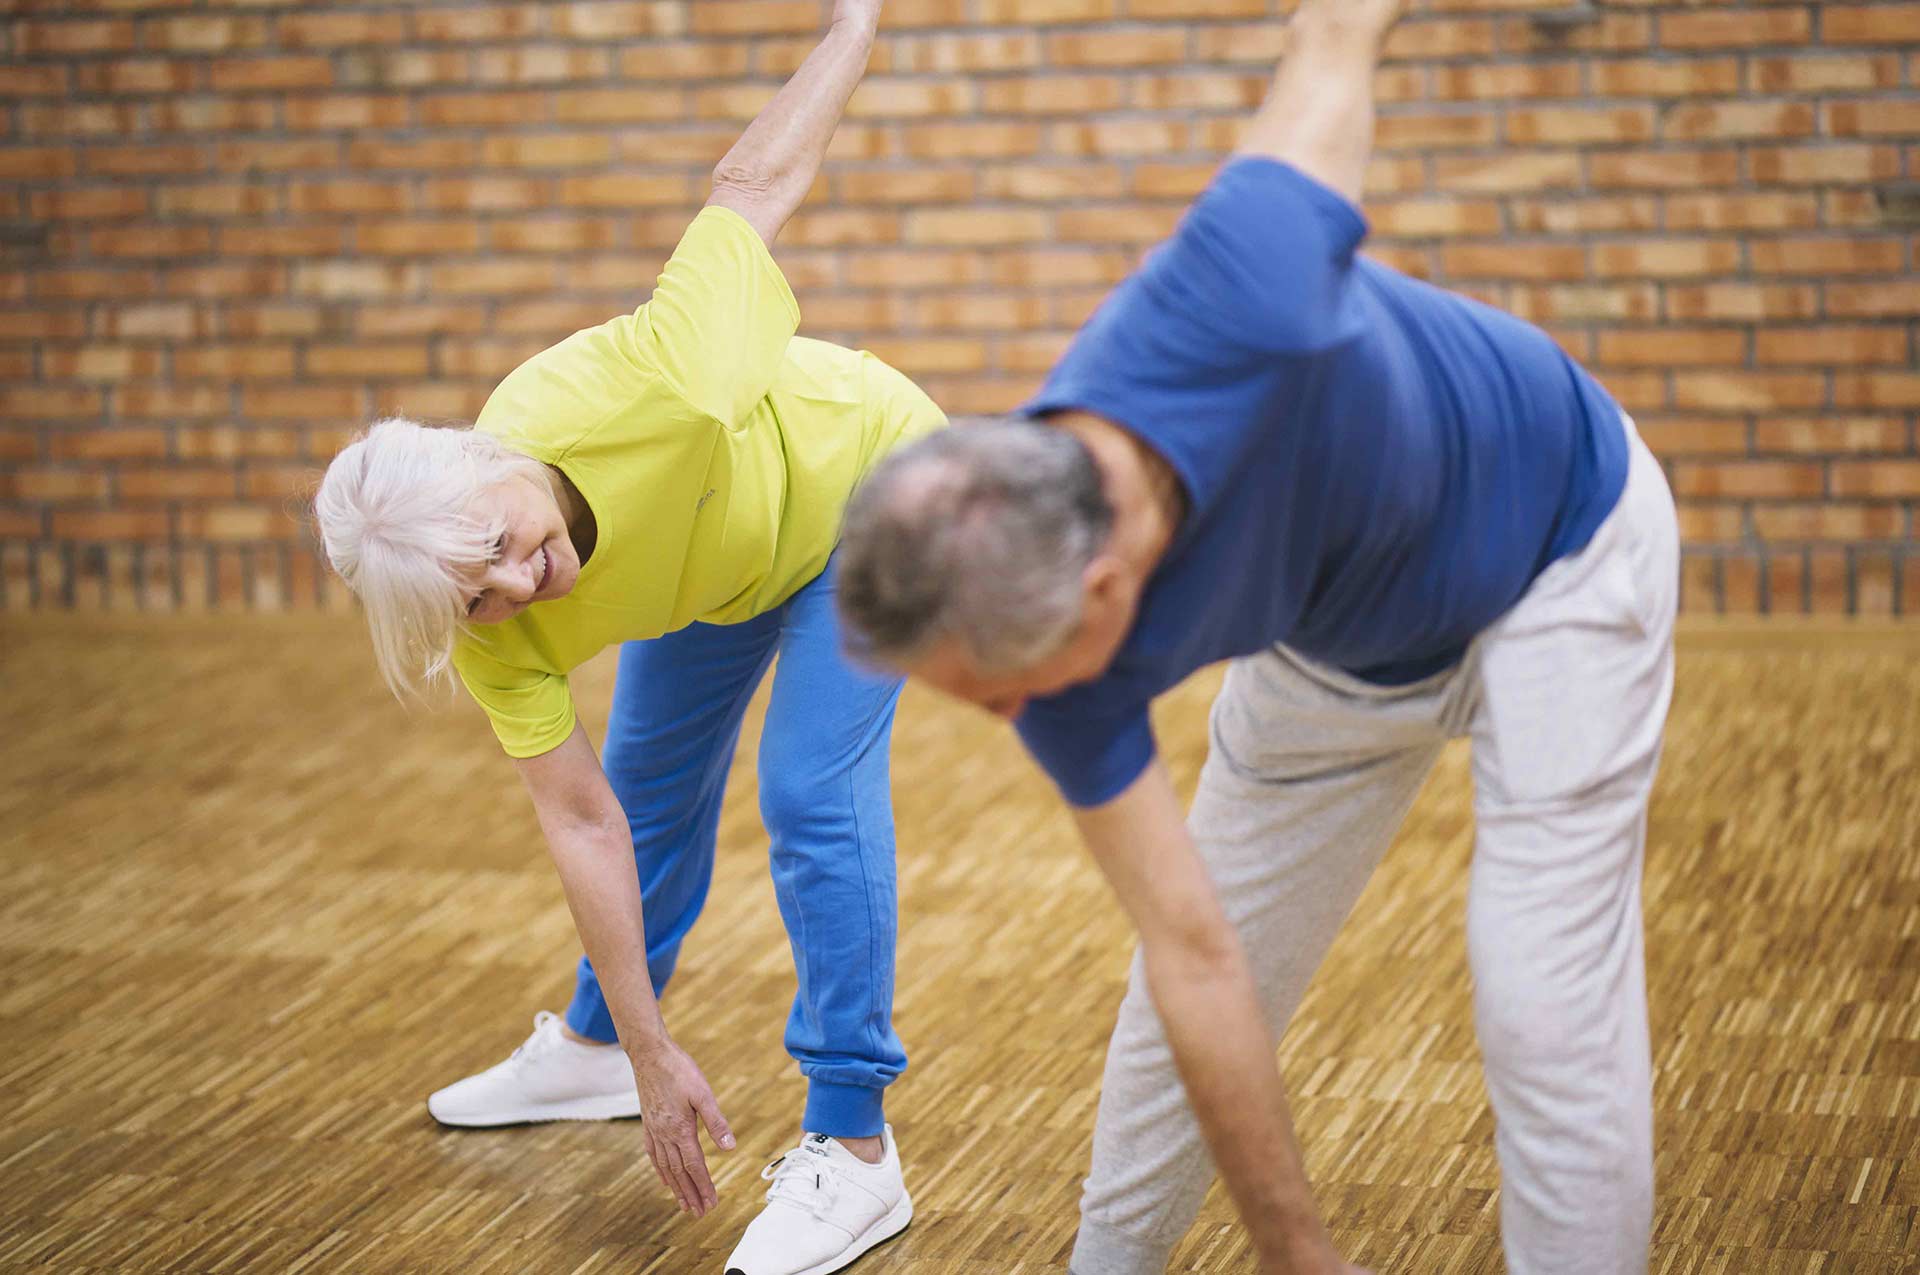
979,533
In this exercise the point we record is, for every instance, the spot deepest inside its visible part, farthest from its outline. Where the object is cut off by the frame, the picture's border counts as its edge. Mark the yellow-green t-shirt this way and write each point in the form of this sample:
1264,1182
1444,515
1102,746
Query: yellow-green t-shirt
717,451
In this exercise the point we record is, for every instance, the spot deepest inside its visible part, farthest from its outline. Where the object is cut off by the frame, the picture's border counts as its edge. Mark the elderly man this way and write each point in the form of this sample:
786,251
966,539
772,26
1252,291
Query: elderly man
1404,517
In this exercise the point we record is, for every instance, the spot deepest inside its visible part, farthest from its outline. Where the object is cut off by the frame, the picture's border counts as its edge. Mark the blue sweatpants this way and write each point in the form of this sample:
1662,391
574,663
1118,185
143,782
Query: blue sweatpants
825,795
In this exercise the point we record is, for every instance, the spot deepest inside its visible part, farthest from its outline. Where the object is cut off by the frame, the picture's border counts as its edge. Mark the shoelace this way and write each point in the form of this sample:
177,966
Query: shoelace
539,1041
808,1182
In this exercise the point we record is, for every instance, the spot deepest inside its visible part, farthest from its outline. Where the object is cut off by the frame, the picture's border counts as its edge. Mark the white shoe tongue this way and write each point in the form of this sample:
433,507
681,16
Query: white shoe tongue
828,1147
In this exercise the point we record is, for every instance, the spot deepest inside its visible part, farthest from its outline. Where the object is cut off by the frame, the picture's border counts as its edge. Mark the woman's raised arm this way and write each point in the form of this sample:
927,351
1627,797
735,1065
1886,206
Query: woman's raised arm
773,165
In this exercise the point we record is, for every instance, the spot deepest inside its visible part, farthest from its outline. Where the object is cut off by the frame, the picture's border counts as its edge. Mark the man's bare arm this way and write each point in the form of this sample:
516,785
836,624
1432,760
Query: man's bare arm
1204,992
1319,116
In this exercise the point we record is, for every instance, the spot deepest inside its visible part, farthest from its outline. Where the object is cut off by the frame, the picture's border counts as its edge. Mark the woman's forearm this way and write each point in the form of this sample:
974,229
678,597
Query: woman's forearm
595,863
773,165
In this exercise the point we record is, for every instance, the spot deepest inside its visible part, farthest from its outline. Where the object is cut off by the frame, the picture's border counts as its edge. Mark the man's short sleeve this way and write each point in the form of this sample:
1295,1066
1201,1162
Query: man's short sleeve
531,711
1092,757
720,319
1190,352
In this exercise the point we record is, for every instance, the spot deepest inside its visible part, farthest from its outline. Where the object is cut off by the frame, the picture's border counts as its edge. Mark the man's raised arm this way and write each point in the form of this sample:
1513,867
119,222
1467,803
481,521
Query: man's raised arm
1319,116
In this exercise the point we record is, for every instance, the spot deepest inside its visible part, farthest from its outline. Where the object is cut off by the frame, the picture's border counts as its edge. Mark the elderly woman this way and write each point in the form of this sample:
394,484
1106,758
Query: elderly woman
673,479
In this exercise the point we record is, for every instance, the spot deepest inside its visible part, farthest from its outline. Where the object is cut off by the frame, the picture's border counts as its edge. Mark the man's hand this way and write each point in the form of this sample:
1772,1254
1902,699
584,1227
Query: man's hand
675,1100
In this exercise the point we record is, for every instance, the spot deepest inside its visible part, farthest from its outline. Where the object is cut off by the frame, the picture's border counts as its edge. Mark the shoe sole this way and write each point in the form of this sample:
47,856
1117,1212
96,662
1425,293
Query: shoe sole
596,1108
873,1237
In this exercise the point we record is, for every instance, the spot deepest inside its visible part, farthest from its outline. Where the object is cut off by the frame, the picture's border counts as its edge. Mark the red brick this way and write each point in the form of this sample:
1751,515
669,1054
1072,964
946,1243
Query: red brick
1877,479
109,524
1821,435
1647,77
1869,24
243,75
1731,391
59,486
1828,256
1663,169
168,483
552,234
1666,258
1506,81
151,241
173,400
1050,12
68,38
1877,389
1437,218
1508,171
970,140
977,226
1810,73
1671,436
326,30
1582,216
366,362
541,64
301,402
993,51
1724,302
1829,345
235,362
1827,521
208,33
1049,95
1442,38
907,186
1892,299
1116,137
1635,302
1672,347
1572,126
347,111
1819,165
1743,28
1761,479
119,443
1770,211
99,362
475,23
236,442
625,190
1514,261
1722,121
1140,47
1878,118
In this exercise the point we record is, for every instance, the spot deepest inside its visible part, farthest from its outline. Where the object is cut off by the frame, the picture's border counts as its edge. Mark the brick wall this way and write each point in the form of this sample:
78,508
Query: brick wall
231,230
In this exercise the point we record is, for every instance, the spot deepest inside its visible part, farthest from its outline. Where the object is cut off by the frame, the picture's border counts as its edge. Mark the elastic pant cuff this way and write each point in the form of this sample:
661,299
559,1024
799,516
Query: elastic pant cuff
1102,1250
594,1024
845,1111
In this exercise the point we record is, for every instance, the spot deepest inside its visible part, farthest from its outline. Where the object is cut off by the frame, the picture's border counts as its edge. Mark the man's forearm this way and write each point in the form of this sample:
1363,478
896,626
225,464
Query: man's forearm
1220,1044
1320,115
773,165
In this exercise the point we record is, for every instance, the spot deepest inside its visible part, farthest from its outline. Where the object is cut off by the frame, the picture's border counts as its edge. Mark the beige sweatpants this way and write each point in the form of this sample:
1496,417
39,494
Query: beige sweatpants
1310,773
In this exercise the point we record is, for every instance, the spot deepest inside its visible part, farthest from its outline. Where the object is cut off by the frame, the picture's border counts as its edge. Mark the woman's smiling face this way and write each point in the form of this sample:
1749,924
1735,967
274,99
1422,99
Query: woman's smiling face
533,559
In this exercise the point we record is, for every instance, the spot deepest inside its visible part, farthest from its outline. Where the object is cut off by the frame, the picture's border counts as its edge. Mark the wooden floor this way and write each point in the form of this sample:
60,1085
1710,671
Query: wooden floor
250,913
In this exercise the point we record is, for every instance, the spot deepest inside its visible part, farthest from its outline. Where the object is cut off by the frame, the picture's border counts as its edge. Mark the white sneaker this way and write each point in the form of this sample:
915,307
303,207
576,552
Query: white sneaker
548,1078
825,1208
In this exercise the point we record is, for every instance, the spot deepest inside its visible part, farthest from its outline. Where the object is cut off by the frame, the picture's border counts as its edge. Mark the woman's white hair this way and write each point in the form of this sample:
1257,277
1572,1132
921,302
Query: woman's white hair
395,515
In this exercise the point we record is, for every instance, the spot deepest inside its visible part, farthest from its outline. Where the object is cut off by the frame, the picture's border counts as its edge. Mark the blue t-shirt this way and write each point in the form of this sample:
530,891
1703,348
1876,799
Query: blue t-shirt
1375,468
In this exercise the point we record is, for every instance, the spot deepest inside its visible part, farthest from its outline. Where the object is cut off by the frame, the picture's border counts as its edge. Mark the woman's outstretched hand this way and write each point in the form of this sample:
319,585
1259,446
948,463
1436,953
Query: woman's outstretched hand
675,1100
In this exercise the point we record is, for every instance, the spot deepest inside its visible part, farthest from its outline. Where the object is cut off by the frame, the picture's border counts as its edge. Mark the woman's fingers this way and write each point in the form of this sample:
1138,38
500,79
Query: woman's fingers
717,1127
